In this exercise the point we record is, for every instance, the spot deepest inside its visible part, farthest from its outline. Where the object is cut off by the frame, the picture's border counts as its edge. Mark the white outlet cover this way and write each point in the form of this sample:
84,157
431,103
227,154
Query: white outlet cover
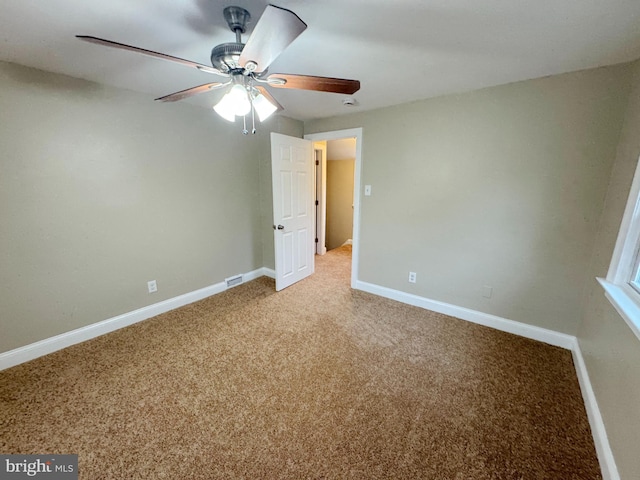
152,286
367,190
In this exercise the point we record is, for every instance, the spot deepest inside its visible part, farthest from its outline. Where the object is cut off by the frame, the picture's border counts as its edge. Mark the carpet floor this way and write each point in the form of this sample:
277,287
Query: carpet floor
315,382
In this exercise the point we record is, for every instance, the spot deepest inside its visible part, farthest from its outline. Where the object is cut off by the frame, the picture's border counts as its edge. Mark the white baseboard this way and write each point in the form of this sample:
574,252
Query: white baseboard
569,342
603,449
522,329
268,272
58,342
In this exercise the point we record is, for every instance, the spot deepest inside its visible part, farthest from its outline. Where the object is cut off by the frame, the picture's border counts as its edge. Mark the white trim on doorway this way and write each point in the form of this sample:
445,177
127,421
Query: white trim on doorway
320,154
338,135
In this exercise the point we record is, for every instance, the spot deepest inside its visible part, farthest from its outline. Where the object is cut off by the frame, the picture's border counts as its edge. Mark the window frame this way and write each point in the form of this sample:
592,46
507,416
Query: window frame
625,262
635,271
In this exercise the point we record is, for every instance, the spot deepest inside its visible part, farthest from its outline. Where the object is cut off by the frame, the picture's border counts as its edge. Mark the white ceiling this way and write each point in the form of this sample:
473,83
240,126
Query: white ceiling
400,50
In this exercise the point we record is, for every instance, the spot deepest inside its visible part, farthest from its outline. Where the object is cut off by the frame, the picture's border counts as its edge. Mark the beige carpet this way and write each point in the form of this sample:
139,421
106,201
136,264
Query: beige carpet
314,382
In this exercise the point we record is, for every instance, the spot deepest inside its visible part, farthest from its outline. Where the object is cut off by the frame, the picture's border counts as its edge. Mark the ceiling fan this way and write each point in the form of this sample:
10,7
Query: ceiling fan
245,66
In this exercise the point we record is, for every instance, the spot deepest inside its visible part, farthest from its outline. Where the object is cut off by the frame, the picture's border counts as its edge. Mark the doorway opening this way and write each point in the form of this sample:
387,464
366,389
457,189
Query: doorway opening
338,159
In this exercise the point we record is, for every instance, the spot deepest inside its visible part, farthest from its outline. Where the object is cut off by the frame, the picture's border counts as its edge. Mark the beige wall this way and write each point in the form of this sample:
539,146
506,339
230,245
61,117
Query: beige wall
610,349
500,187
339,201
103,189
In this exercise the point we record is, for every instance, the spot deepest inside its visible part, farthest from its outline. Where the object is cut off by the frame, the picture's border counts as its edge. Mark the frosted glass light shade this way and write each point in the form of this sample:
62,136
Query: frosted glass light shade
240,100
225,108
263,107
234,103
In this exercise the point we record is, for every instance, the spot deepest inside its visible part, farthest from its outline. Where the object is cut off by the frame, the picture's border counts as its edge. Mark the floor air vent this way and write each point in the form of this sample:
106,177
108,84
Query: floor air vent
233,281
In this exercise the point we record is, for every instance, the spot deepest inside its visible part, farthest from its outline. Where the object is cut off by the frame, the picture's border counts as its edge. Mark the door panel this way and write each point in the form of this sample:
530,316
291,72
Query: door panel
303,239
287,195
303,194
287,269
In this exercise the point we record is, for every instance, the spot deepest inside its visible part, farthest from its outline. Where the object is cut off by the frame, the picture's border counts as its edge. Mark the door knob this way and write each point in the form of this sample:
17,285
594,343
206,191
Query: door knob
279,227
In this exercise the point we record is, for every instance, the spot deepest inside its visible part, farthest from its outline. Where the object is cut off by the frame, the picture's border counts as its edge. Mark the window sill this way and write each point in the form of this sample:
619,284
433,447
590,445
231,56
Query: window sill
622,298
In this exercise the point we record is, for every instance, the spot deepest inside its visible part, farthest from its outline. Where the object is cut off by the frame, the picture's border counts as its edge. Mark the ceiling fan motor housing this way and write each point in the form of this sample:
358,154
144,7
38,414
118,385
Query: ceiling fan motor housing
225,56
237,18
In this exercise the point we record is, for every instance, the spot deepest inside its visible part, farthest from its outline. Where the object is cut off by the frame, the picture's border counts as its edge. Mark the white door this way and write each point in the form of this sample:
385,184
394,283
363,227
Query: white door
293,210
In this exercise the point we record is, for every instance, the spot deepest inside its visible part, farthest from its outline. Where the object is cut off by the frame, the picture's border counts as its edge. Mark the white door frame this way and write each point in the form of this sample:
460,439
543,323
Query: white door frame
338,135
321,196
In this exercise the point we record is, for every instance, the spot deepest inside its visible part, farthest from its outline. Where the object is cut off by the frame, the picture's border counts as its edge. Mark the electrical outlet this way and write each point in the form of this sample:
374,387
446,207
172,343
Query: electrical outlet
412,277
487,291
367,190
152,286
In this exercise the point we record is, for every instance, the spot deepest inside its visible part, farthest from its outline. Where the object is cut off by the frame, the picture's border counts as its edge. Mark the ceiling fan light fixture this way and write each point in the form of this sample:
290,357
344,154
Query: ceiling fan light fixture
235,103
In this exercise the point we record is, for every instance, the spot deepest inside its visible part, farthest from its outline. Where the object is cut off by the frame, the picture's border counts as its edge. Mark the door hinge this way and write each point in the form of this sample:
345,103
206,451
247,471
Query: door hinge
316,240
317,203
317,162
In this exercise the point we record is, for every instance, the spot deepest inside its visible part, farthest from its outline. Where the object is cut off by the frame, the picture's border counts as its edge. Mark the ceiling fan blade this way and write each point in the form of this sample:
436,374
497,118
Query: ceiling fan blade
308,82
269,97
275,30
150,53
189,92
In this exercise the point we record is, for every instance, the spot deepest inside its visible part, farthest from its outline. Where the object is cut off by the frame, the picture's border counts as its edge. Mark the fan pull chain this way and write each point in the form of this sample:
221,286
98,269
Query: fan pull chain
253,110
244,129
